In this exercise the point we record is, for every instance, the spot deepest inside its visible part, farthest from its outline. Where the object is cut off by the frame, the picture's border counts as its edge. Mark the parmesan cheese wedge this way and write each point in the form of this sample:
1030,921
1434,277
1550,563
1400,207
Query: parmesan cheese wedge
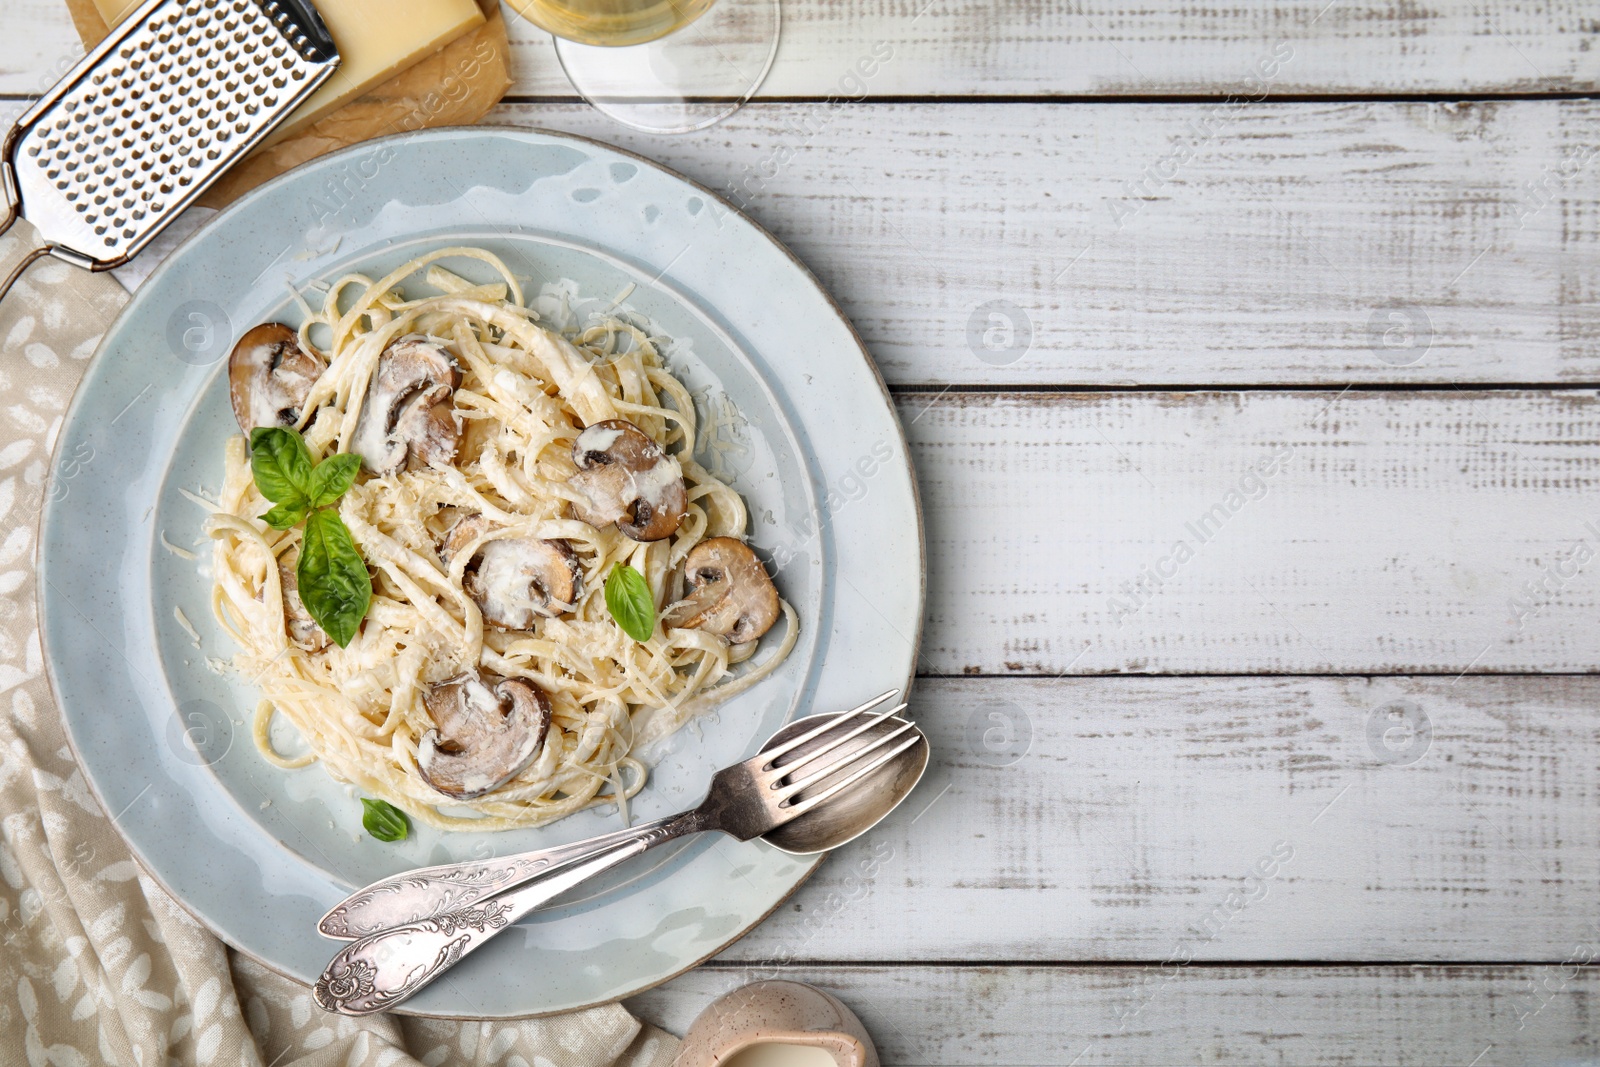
377,39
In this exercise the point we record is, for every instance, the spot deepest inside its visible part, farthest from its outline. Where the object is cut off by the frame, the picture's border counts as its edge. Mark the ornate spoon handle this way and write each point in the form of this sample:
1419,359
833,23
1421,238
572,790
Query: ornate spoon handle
382,969
452,887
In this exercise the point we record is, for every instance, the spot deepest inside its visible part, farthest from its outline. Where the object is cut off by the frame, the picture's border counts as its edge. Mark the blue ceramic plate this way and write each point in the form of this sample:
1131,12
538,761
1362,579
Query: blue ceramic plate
258,854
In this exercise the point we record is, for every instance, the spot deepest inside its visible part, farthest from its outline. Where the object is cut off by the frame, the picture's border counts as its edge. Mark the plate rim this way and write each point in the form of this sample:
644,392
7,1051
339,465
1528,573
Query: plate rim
488,130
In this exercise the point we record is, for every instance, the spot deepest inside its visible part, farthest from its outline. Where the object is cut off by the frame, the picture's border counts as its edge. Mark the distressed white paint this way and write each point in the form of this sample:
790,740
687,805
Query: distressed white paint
1098,48
1272,532
1116,819
1309,244
1010,244
1306,243
37,46
1087,1015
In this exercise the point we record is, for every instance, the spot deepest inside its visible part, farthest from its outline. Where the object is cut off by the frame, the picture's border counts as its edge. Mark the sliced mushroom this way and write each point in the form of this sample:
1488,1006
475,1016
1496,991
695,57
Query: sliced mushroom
407,419
463,533
486,730
729,592
515,579
627,479
269,375
301,627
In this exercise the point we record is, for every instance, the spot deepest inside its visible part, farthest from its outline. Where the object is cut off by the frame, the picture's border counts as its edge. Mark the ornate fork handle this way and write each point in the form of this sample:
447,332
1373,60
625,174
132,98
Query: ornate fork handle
382,969
451,887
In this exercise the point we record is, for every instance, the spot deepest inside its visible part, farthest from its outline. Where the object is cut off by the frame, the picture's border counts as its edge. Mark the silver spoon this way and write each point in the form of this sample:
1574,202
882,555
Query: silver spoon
819,782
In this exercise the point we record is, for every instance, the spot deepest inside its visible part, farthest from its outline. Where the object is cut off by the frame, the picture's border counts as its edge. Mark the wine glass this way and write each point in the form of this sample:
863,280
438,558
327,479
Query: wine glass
663,66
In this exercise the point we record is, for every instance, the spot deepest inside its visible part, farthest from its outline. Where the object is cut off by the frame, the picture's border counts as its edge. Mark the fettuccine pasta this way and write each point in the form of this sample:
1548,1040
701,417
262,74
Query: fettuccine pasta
525,393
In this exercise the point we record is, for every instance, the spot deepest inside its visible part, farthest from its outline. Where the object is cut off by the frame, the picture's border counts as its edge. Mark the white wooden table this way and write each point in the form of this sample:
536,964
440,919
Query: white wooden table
1312,289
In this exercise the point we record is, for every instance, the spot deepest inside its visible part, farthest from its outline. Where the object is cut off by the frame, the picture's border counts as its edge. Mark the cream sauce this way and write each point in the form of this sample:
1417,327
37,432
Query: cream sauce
505,574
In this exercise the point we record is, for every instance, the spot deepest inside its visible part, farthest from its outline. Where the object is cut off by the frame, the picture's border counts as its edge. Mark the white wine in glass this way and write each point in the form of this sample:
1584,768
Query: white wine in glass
612,23
666,66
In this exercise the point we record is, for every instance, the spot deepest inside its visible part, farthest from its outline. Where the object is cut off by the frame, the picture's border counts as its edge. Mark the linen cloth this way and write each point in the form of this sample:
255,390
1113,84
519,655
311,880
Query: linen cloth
97,963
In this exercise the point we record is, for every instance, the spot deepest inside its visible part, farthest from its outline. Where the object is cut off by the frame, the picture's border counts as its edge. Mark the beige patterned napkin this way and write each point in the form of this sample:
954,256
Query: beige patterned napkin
97,963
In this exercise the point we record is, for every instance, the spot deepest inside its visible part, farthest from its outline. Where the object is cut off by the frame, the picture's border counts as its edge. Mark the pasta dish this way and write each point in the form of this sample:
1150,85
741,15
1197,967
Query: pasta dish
543,579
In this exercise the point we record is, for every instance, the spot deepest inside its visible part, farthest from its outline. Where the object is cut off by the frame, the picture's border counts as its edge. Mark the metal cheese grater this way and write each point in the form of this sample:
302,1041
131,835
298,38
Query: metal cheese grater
177,93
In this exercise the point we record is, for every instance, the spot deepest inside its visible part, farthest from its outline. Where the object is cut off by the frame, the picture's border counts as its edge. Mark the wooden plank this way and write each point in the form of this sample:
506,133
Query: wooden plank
1104,48
1310,244
1085,1015
1224,819
1099,48
1246,532
1038,244
37,47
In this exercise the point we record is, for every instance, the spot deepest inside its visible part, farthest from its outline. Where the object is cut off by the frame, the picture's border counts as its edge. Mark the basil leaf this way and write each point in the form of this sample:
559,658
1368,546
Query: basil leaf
283,516
384,821
332,477
281,464
334,584
630,603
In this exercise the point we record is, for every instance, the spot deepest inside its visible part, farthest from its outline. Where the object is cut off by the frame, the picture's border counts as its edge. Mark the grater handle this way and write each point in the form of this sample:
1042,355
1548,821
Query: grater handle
8,178
27,261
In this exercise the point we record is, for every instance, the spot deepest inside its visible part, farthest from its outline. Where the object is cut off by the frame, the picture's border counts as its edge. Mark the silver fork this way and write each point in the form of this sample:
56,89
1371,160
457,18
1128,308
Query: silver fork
428,891
390,963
